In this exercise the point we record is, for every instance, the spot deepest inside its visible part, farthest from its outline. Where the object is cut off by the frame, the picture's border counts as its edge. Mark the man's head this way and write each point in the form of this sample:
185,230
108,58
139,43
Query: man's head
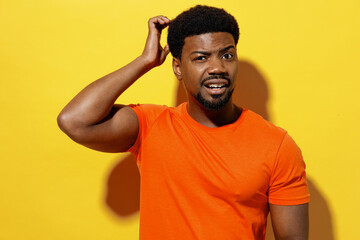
203,42
199,20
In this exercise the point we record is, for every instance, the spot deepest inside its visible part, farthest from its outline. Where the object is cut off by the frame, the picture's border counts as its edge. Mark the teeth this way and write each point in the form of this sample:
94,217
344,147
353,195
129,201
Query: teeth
216,85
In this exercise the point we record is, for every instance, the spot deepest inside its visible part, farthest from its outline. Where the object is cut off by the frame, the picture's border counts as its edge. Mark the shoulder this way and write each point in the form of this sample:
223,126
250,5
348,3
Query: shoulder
151,113
261,127
148,108
148,111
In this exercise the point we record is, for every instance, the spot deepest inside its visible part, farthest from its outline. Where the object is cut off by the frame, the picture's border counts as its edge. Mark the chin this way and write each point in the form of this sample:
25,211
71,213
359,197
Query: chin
216,103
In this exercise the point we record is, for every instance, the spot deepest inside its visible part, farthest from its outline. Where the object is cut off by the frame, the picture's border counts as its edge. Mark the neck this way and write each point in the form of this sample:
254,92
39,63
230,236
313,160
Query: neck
214,118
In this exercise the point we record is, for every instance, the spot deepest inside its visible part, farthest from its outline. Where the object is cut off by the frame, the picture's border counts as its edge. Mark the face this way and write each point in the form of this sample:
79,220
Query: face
208,68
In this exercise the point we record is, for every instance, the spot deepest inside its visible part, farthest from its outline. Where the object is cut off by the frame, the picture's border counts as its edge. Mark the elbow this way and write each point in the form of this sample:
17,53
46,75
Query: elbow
67,124
73,128
63,121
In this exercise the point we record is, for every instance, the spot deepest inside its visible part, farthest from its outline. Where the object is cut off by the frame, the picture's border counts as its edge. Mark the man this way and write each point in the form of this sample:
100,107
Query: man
209,169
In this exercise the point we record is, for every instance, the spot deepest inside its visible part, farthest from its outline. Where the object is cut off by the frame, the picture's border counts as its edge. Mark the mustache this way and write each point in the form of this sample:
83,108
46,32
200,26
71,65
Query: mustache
217,76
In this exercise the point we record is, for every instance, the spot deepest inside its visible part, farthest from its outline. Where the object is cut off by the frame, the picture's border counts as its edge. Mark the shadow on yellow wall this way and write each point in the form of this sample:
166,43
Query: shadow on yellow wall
251,92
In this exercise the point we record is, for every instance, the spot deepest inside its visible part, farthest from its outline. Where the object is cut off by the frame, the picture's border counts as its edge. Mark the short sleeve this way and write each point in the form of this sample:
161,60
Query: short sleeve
288,184
146,114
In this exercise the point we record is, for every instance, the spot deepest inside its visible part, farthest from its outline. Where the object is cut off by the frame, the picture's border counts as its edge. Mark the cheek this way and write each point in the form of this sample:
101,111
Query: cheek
233,69
193,74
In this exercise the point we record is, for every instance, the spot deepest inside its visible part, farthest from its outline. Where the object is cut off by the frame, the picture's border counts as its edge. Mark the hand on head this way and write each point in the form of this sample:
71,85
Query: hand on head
153,52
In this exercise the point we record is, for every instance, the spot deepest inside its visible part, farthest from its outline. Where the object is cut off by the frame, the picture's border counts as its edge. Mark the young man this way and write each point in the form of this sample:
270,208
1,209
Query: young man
209,169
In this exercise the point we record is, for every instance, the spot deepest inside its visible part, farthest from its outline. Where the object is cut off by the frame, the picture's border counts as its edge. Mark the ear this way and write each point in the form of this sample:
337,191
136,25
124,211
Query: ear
176,64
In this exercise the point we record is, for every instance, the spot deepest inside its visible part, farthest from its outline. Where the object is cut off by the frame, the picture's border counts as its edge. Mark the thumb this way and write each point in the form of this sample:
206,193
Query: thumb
164,53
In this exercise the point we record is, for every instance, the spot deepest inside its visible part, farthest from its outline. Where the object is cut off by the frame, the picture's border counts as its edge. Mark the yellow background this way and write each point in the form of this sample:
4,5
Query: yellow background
307,52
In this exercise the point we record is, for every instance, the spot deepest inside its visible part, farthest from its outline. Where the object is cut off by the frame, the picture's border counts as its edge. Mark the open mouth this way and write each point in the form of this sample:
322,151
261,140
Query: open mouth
215,85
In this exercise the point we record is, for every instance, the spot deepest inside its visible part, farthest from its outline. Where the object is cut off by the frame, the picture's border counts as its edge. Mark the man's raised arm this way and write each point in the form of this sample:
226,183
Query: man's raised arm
92,119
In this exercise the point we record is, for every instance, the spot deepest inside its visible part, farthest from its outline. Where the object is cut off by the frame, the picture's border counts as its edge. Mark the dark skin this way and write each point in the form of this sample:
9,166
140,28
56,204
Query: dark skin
203,56
92,119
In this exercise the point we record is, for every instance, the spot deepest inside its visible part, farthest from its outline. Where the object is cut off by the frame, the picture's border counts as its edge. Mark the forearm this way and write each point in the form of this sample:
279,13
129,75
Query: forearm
95,101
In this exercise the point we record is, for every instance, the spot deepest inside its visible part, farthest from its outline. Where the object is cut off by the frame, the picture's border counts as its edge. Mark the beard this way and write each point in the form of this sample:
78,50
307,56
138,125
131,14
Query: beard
216,103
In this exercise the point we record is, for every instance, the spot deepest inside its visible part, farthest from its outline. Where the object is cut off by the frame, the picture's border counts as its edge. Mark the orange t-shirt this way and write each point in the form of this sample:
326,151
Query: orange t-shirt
213,183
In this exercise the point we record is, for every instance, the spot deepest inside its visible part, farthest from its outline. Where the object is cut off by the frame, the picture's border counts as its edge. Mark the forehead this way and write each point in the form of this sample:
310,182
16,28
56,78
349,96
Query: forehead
208,42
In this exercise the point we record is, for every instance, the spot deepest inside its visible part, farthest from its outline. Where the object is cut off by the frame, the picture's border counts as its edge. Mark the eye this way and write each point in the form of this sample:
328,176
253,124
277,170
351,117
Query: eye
228,56
200,58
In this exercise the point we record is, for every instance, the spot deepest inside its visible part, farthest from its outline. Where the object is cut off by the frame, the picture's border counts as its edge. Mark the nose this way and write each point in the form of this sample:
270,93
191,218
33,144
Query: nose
216,66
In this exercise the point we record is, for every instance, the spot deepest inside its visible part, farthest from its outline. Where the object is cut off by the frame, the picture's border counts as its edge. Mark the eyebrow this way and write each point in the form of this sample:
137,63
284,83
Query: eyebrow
208,53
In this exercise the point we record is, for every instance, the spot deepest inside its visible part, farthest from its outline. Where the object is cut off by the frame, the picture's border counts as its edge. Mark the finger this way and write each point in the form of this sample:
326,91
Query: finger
159,21
164,53
165,19
162,22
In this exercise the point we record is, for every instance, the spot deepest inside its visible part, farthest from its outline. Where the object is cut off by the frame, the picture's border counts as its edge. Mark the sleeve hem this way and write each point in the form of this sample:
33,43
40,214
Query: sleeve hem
288,202
134,148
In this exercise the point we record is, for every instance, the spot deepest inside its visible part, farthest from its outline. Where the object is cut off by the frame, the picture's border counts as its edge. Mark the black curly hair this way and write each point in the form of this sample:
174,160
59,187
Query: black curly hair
199,20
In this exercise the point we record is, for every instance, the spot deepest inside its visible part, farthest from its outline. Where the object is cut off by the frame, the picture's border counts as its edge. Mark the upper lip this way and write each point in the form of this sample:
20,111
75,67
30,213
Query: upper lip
220,80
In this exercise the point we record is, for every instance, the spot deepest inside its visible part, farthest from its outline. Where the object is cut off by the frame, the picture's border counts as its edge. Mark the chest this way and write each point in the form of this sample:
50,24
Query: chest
232,163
